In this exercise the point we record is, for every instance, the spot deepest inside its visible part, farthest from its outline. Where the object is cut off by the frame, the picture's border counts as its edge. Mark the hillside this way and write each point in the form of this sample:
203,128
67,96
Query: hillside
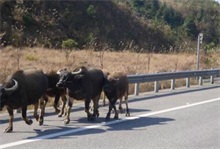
138,25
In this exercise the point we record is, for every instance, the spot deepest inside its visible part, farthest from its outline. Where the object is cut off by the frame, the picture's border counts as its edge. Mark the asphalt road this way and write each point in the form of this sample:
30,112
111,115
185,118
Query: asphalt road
183,118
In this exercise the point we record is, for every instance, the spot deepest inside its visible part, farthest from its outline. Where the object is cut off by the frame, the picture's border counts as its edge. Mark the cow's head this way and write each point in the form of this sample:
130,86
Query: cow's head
66,77
6,91
110,84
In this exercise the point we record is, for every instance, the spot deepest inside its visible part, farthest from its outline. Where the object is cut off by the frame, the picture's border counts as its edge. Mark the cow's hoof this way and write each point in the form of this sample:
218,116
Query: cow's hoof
36,117
60,114
91,118
29,122
41,122
8,129
57,111
95,115
107,116
66,121
121,110
116,117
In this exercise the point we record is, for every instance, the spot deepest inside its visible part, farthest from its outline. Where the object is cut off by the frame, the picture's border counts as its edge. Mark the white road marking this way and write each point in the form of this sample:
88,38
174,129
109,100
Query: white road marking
104,124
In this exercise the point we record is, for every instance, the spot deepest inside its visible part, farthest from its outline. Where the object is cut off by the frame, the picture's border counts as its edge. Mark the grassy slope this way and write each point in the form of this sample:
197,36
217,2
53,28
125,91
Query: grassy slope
102,22
56,21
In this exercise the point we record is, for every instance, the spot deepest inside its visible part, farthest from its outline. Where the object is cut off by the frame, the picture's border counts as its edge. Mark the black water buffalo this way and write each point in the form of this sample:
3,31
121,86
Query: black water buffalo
115,87
82,83
57,92
23,88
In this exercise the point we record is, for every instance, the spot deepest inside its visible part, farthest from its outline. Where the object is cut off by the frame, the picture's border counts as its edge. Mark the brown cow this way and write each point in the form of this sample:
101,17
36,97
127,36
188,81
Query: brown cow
116,86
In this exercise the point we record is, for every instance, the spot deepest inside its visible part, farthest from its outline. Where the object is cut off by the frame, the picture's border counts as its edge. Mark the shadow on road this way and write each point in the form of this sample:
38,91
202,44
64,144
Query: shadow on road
135,124
140,123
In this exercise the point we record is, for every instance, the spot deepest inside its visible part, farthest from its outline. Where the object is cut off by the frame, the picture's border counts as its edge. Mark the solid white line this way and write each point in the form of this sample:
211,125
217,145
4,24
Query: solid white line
103,124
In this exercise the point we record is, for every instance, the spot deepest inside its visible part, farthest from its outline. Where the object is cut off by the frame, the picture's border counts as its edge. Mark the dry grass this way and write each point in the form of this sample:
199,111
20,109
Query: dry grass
12,59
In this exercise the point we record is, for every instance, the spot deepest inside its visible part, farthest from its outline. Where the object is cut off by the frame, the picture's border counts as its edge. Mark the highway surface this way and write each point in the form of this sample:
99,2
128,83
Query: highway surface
179,119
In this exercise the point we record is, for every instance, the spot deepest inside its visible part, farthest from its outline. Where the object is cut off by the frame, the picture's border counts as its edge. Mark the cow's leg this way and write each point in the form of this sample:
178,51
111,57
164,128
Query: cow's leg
36,116
11,118
126,103
68,110
116,112
63,106
24,115
43,102
96,107
87,103
109,111
55,104
120,105
112,105
103,99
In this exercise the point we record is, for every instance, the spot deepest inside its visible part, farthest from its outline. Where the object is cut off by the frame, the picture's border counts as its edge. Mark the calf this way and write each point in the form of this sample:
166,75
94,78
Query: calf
116,86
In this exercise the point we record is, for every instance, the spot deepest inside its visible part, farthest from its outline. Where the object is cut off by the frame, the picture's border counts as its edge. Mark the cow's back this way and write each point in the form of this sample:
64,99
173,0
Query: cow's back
53,78
95,80
32,84
122,85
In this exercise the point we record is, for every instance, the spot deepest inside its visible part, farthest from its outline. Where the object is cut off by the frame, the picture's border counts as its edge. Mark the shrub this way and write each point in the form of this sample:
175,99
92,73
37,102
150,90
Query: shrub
69,44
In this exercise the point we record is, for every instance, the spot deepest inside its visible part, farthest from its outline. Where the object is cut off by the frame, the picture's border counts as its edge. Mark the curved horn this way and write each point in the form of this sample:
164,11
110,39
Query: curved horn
14,87
76,72
59,71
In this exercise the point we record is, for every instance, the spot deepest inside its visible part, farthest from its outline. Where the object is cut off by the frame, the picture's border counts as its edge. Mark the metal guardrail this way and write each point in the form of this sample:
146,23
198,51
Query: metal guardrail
141,78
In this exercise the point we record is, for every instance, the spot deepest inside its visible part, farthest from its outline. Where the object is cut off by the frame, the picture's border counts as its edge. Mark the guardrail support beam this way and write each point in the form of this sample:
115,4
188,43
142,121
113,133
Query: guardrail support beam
156,86
136,89
187,82
200,80
212,79
172,84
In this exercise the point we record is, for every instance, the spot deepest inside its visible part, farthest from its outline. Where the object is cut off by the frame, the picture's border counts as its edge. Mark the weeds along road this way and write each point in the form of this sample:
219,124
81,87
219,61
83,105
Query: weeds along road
183,118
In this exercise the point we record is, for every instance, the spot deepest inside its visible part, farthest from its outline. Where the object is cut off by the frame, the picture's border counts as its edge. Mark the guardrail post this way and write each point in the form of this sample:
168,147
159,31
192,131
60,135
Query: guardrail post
200,80
156,86
187,82
212,79
136,89
172,84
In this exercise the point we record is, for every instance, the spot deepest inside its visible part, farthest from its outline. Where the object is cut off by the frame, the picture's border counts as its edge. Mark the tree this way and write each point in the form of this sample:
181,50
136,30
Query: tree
191,27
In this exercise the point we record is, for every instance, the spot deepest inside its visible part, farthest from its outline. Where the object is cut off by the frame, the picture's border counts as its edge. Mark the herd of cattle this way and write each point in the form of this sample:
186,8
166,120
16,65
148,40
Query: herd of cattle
33,87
